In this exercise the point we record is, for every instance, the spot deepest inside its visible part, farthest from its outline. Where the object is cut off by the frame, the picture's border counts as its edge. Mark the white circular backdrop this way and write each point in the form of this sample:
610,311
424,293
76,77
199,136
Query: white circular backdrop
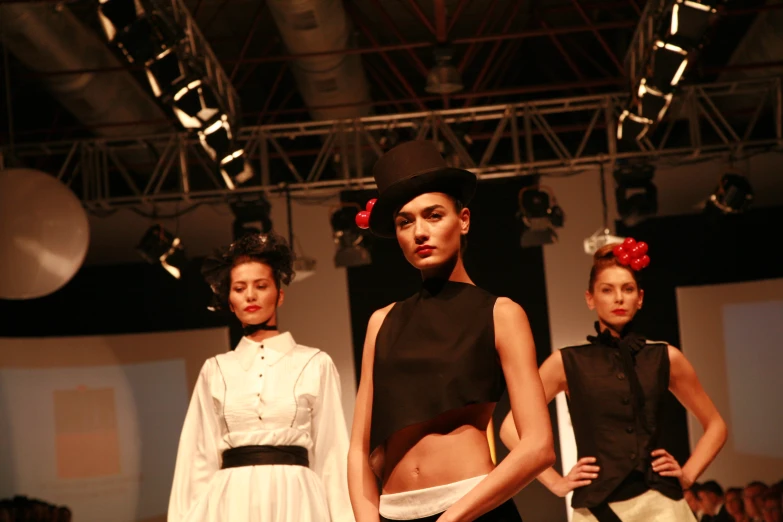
44,234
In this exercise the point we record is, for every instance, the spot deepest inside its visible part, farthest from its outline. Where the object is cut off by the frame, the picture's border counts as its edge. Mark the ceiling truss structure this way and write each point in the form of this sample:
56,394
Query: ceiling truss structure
705,121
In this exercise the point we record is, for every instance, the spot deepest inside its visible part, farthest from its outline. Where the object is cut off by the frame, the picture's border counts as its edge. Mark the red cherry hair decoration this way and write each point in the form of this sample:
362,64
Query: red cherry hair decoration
632,254
363,217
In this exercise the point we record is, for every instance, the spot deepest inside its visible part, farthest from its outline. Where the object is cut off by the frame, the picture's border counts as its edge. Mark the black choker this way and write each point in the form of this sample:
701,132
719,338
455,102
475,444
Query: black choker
253,328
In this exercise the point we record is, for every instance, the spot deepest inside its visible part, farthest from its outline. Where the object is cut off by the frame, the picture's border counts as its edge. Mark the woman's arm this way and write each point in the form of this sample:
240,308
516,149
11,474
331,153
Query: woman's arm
554,380
330,440
362,484
685,385
198,457
535,451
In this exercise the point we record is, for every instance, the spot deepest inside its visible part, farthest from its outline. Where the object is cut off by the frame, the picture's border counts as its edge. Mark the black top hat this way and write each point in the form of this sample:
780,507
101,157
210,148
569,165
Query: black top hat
409,169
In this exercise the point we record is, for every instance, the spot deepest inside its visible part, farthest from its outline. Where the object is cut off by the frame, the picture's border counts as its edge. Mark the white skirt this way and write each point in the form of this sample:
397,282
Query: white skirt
650,505
270,493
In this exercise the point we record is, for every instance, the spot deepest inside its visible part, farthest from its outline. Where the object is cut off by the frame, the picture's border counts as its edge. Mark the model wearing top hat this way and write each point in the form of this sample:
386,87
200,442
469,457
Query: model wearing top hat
435,364
616,385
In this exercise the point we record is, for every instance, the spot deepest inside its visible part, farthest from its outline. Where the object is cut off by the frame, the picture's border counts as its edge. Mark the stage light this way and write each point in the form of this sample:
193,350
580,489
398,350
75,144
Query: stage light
145,39
652,102
733,194
304,267
631,127
195,104
669,62
350,241
116,15
600,239
216,138
234,169
689,22
444,77
160,246
540,215
251,215
165,71
637,196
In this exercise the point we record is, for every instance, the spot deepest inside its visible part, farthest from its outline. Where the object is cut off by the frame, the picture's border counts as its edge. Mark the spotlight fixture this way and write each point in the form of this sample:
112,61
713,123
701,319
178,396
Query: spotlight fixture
669,62
304,266
540,215
350,241
165,71
195,104
652,102
216,138
161,246
733,194
234,169
145,38
444,77
689,22
637,196
631,127
251,216
116,15
600,239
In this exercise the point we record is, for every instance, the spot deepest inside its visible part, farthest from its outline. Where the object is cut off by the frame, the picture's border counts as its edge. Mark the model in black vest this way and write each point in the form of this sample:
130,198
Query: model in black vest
615,387
434,365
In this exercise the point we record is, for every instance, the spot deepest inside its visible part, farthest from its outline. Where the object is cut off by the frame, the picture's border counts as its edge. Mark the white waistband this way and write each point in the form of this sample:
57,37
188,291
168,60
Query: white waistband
420,503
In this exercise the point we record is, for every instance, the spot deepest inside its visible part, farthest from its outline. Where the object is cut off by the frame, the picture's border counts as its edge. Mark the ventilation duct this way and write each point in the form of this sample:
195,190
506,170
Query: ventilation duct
312,26
48,37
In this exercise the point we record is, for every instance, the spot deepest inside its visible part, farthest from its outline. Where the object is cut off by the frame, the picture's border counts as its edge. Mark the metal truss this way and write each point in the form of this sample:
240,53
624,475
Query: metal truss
647,32
547,137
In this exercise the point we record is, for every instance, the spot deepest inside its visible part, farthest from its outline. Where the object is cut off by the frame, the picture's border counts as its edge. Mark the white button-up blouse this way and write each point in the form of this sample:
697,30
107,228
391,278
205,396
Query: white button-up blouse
275,393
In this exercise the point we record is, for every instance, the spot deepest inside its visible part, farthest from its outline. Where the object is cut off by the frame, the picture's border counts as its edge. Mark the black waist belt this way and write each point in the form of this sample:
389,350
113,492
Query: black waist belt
264,456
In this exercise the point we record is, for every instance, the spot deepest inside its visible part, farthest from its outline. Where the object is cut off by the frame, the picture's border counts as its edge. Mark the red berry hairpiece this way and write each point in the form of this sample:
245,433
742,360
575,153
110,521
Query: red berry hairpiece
632,254
363,217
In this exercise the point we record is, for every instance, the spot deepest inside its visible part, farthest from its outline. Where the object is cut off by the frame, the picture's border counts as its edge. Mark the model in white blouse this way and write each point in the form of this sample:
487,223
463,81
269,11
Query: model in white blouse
276,393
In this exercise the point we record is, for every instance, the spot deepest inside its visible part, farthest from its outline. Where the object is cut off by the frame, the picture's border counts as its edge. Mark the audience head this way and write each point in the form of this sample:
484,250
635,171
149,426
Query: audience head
752,498
771,510
711,496
692,498
734,504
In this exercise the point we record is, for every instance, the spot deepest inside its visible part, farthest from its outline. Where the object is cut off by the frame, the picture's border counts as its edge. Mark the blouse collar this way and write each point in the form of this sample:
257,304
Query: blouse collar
274,347
628,338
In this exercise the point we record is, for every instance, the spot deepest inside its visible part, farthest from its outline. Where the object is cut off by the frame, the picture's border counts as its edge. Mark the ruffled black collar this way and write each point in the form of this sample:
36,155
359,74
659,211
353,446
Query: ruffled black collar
628,339
628,344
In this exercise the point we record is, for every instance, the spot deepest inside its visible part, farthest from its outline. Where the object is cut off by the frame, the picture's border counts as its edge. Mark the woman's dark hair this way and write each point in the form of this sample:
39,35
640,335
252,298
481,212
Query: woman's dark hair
604,258
269,249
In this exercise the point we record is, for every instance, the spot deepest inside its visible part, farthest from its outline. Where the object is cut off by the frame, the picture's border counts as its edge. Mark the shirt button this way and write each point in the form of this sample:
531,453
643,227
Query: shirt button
626,400
260,374
629,429
632,456
621,376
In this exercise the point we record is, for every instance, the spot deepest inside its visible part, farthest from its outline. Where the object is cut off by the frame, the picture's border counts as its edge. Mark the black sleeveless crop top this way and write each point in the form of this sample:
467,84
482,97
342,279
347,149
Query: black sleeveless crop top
434,352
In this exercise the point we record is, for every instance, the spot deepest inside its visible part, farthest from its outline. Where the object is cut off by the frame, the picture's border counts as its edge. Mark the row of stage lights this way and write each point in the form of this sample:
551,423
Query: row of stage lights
539,215
677,41
145,36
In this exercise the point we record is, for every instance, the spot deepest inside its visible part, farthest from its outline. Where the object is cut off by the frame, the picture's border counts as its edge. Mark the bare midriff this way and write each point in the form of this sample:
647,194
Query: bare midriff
449,448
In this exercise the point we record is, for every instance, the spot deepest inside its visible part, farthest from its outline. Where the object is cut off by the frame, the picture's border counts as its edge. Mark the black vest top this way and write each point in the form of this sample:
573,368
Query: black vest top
616,409
434,352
